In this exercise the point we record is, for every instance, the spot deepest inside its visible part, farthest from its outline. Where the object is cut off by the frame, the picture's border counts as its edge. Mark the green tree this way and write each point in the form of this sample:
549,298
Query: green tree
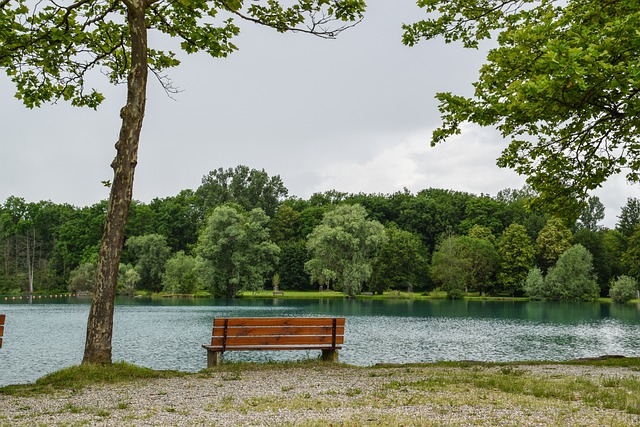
128,279
83,278
572,278
178,219
150,253
613,243
181,275
400,263
236,251
285,225
462,263
629,217
249,188
553,240
482,232
560,82
49,51
591,214
631,257
624,289
516,258
343,246
534,284
293,255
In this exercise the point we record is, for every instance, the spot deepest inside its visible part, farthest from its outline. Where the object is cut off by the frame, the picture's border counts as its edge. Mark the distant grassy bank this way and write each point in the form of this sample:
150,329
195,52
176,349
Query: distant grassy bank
391,295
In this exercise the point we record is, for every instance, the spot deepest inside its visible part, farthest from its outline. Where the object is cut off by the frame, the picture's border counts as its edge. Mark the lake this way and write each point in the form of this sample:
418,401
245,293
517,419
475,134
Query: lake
168,333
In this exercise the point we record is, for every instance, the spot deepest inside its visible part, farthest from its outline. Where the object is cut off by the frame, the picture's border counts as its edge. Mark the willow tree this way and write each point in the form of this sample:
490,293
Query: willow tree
343,246
49,48
561,82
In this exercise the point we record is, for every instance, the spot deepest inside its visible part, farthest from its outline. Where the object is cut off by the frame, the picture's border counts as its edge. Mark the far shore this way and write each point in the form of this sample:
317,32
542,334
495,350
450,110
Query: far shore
293,294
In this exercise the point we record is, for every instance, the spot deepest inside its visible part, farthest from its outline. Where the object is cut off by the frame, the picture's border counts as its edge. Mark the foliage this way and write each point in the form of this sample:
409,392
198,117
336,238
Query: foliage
150,253
516,258
613,243
83,278
181,275
177,218
534,284
343,246
572,278
236,251
461,263
631,257
400,263
482,232
629,217
293,255
553,240
624,289
561,82
249,188
591,214
593,241
128,280
67,237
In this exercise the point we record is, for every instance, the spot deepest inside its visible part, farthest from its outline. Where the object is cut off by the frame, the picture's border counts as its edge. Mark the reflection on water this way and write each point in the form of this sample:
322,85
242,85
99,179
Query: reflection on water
168,333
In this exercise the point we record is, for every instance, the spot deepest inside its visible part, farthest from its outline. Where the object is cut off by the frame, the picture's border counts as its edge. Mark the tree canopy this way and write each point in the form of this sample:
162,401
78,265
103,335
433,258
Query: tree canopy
236,251
560,80
343,246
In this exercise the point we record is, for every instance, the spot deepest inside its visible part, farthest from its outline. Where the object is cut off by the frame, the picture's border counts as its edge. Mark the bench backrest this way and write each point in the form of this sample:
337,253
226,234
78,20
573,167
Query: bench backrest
2,317
277,333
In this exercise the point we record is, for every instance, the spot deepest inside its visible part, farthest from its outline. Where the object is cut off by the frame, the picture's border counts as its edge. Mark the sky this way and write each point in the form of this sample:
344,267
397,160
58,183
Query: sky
353,114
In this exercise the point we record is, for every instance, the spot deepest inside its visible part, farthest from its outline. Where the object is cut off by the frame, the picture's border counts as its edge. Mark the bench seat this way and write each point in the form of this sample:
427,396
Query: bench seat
275,333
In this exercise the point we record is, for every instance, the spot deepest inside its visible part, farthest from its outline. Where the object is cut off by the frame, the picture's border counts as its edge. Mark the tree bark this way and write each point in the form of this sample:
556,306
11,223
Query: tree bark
100,322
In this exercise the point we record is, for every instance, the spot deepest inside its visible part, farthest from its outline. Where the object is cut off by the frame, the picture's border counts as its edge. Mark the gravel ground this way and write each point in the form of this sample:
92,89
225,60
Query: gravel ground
316,395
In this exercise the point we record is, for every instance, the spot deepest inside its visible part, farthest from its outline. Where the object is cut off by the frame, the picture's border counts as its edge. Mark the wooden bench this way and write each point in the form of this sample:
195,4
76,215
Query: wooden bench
275,333
2,317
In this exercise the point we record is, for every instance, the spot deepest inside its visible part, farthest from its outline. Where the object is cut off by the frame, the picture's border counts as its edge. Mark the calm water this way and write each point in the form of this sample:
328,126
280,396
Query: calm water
168,334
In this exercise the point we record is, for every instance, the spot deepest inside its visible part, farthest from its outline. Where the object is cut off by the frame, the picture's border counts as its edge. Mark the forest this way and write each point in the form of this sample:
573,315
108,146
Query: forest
240,231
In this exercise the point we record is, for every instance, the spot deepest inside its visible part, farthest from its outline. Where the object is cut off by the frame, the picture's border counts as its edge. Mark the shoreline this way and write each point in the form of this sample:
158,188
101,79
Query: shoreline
317,394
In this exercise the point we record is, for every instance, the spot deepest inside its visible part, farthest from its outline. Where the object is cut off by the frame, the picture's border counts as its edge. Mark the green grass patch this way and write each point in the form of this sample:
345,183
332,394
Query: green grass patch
619,393
78,377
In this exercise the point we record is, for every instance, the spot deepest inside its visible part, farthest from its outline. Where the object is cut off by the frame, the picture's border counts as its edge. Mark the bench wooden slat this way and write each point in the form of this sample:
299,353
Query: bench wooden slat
284,347
278,321
324,340
277,330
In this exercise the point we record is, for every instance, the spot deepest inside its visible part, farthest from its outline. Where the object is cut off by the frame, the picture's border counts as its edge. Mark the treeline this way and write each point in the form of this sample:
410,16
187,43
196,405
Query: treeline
240,231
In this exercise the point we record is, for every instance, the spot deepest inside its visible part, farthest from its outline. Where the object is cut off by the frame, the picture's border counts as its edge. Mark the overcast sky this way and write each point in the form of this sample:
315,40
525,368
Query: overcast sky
353,114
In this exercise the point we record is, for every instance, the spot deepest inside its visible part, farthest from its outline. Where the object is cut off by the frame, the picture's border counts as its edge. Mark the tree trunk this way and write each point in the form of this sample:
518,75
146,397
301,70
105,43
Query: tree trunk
100,323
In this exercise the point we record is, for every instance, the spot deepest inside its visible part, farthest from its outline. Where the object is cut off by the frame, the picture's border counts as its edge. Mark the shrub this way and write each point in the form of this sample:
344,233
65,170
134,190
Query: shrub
534,284
623,289
572,278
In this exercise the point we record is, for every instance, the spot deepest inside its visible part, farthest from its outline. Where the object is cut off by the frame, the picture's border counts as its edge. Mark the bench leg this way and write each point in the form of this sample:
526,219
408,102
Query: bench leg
330,355
214,358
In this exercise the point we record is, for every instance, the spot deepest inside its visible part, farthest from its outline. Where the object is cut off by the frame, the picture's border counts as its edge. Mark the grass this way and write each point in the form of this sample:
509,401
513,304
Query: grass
79,377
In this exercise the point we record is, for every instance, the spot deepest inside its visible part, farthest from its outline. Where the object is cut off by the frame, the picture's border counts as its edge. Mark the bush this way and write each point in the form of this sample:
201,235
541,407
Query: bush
623,290
534,284
572,278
